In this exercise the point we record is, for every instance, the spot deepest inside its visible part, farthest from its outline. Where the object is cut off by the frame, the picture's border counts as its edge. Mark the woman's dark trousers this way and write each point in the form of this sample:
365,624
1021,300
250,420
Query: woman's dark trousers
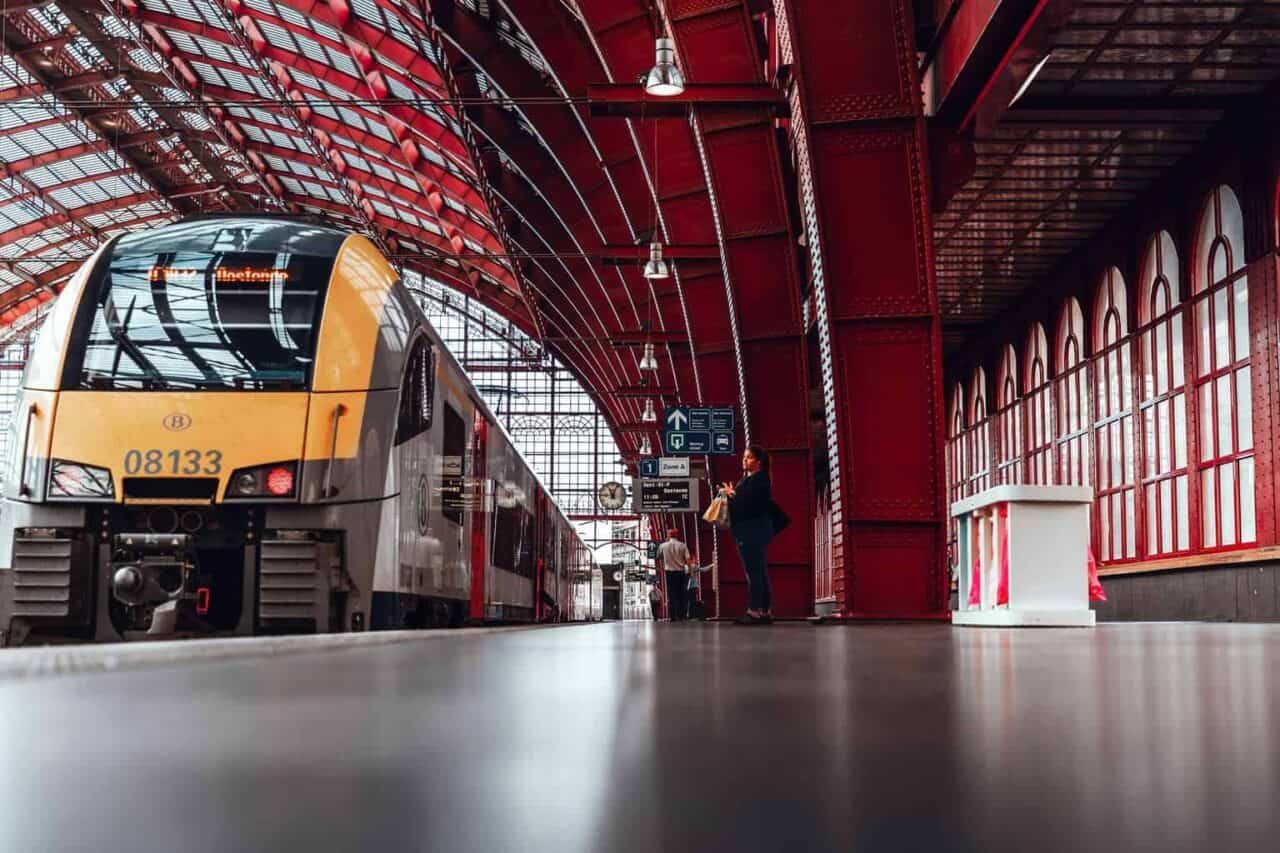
753,538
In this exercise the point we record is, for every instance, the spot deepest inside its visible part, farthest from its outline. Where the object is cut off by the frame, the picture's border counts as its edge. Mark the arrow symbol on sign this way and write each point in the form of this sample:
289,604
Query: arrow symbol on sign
675,419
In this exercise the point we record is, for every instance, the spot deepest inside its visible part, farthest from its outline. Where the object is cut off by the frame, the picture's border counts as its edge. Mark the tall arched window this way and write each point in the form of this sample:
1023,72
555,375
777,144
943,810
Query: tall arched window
1009,419
1072,397
956,461
956,474
1113,422
1223,393
1164,403
1036,385
979,434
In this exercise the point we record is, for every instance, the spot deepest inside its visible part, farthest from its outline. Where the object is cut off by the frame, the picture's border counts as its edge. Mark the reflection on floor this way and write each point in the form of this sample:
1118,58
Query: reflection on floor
649,737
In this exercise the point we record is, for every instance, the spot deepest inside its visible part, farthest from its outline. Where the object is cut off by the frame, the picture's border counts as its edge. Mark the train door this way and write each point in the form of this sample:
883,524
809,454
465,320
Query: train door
454,498
479,512
414,446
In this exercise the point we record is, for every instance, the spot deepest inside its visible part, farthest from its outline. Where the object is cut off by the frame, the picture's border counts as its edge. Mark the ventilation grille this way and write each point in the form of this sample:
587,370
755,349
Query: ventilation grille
42,577
288,581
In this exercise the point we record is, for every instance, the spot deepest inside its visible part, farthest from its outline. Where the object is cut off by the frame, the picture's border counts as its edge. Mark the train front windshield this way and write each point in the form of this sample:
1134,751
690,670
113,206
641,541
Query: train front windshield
199,320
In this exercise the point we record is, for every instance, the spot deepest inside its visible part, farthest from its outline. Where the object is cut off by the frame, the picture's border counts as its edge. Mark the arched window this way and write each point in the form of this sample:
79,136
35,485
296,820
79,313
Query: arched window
1072,397
979,434
1164,404
1036,388
1223,393
956,456
1009,419
1115,498
956,474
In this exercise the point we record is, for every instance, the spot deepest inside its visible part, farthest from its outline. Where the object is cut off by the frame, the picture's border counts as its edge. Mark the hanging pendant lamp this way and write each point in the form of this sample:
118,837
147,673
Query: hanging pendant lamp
649,416
645,448
664,78
647,361
656,267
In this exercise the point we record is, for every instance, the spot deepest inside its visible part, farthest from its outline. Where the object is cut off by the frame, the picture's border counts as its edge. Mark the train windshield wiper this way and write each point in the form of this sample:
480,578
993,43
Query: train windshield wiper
119,334
100,378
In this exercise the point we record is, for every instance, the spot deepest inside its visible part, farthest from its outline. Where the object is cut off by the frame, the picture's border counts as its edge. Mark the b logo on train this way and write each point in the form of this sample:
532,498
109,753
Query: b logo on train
247,425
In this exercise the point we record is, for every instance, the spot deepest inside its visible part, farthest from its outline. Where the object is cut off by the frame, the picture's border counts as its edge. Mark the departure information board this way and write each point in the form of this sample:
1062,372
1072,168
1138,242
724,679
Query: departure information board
665,495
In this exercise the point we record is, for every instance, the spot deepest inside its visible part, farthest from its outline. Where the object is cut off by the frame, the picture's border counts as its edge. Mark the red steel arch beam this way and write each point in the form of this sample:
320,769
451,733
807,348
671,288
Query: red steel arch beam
538,216
743,209
860,134
573,157
620,47
573,62
592,208
597,218
544,206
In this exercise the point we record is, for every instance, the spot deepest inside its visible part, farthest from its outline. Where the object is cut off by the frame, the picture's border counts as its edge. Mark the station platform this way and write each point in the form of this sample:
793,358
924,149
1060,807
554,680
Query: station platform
636,736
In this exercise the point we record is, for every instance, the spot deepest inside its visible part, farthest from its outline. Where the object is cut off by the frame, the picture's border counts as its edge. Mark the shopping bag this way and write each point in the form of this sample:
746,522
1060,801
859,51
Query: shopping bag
717,513
1096,592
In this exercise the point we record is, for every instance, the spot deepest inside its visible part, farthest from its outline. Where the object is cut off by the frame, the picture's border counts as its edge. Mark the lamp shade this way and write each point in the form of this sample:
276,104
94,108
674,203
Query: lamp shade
664,78
647,361
656,267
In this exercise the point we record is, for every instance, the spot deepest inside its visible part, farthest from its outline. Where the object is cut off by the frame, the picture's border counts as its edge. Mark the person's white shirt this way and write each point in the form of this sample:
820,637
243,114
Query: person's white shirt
674,554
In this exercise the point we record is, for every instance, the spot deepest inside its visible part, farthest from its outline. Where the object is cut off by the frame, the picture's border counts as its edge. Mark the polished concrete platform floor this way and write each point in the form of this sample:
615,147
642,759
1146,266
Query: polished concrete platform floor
635,736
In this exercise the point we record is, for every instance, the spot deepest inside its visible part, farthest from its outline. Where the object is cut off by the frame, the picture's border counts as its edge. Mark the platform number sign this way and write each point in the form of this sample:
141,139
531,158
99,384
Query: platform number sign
695,430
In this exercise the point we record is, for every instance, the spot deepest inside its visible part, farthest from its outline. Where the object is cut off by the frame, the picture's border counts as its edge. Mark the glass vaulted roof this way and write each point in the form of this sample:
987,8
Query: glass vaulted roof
118,114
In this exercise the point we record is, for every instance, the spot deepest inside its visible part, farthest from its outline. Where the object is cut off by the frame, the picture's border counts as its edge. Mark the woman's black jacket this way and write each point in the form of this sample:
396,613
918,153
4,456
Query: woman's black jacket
752,499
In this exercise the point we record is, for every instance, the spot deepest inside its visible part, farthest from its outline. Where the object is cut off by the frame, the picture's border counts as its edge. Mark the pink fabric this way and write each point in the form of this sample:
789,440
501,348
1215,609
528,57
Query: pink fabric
975,584
1096,592
1002,587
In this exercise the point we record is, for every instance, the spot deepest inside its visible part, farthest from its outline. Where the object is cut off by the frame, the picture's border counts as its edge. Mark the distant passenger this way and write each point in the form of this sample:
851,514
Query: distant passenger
695,607
754,519
655,601
675,558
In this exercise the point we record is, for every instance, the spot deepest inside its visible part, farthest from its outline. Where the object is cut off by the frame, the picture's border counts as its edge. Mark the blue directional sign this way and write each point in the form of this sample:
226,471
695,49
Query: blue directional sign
690,430
649,467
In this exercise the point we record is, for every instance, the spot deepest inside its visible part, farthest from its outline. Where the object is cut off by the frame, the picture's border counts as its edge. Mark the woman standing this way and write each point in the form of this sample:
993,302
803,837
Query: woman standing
750,510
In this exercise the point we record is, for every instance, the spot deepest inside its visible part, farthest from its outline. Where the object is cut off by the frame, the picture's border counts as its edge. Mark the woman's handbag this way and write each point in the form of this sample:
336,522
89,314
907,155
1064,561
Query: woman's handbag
718,513
779,518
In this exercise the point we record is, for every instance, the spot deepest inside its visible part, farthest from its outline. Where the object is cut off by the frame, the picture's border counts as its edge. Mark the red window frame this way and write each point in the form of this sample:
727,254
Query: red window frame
1039,421
1222,389
979,440
956,476
1009,428
1115,498
1162,407
1071,398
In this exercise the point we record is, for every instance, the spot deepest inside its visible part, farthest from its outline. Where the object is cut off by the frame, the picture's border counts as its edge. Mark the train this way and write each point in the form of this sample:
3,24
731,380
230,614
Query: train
236,425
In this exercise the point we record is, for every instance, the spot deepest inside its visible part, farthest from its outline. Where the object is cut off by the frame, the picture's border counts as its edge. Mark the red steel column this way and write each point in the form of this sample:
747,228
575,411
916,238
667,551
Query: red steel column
860,141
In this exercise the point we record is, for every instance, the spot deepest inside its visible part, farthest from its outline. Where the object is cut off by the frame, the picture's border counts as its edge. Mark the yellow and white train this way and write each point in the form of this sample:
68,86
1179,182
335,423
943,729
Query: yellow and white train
239,425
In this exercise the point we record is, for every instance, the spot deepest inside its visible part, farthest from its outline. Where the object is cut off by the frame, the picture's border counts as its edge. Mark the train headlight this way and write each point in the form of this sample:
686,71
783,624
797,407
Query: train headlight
73,481
277,480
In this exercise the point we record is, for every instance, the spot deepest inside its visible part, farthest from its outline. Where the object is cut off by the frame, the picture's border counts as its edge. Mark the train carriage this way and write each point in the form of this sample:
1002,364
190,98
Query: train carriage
237,425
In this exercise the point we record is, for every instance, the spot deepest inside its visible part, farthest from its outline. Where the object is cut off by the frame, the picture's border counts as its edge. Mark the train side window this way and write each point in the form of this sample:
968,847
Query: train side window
417,396
453,461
